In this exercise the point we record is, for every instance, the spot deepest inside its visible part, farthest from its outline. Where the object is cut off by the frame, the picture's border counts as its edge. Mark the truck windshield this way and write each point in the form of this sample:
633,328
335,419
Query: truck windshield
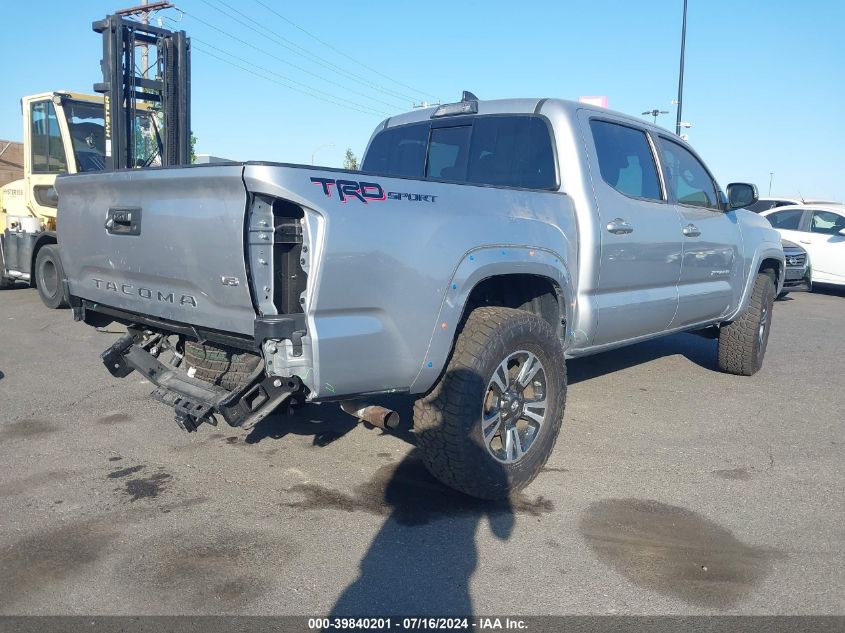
87,131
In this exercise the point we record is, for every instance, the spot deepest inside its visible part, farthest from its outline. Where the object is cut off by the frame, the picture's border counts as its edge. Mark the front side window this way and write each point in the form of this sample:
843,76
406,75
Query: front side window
447,153
686,178
625,160
48,152
398,151
87,133
790,219
827,222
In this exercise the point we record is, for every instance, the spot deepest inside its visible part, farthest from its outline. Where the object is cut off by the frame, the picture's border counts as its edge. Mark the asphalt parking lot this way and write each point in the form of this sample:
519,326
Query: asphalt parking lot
673,489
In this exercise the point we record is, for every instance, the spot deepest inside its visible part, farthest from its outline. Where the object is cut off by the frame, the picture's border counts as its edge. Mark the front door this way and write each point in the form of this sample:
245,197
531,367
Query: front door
712,270
46,157
640,234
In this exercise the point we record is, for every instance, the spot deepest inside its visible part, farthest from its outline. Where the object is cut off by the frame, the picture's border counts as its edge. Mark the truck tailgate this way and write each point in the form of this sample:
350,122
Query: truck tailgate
162,242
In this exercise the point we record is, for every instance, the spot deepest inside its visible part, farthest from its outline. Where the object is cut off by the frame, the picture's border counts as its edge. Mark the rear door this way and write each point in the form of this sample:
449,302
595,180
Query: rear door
167,243
640,233
712,271
825,245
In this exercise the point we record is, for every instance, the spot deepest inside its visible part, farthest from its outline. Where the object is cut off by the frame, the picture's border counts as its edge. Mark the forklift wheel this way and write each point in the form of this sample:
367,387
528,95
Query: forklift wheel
49,276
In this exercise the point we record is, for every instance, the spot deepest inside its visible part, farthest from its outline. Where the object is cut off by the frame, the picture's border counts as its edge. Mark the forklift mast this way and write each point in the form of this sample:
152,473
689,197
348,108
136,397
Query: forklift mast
124,85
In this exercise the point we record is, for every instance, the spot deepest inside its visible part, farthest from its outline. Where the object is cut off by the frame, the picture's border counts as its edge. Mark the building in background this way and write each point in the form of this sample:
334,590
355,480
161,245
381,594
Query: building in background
11,161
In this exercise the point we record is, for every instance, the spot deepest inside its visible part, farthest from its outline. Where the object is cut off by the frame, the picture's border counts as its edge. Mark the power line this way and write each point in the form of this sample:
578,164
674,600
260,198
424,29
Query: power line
302,52
328,98
291,64
340,52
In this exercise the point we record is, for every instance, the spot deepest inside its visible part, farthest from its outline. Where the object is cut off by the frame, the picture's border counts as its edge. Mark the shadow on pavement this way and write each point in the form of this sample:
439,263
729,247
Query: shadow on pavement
327,423
696,349
831,291
423,557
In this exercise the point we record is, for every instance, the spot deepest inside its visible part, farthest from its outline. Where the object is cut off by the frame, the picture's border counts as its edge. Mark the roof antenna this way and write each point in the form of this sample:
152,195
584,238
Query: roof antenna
468,96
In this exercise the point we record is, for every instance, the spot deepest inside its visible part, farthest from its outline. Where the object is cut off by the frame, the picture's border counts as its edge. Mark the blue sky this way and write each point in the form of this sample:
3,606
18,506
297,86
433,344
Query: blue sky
764,81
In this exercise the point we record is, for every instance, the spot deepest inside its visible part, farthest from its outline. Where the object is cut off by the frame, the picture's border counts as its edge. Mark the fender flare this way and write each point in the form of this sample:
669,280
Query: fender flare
475,266
764,251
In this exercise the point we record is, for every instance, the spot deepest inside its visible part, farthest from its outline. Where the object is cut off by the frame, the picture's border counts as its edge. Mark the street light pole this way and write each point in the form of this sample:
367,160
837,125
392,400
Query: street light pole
681,73
655,113
317,149
771,173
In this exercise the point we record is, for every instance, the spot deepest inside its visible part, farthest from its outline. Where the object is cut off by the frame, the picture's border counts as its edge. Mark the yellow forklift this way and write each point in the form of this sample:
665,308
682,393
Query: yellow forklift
134,121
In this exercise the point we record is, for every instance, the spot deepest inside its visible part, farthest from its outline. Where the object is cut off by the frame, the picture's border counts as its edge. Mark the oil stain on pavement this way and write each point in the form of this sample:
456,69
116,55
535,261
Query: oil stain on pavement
114,418
24,429
739,474
423,498
52,555
674,551
210,569
140,487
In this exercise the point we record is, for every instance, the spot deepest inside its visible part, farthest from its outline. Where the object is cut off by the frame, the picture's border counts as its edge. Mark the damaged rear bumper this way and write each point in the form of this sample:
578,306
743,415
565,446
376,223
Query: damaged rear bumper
195,401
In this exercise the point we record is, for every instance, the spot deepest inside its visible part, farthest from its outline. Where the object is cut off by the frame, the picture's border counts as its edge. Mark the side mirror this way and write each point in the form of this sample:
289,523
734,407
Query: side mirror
741,194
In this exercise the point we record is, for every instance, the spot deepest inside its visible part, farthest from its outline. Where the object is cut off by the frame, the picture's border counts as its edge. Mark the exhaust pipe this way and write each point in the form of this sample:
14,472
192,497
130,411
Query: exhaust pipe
377,416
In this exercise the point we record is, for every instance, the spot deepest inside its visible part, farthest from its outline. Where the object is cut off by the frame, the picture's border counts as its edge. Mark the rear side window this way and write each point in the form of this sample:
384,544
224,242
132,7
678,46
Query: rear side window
790,220
625,160
447,153
762,205
398,151
827,222
508,151
686,177
514,151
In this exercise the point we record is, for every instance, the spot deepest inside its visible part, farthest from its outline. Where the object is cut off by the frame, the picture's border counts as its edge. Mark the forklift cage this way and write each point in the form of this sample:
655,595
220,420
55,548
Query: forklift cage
123,88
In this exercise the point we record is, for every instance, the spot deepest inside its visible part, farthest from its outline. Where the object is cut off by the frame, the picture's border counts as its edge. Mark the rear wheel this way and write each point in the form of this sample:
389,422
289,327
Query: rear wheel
220,365
492,420
742,343
49,277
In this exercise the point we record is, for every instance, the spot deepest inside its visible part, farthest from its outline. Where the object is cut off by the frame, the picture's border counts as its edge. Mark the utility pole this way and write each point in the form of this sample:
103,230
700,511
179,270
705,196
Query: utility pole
771,173
681,73
655,113
144,11
145,20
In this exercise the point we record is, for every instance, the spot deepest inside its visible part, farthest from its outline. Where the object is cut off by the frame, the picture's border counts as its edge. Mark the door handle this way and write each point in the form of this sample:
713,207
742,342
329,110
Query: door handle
805,241
619,227
691,230
123,221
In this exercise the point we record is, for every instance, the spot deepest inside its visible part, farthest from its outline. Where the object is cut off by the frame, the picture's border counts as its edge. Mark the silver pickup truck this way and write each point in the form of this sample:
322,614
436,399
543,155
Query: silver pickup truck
481,244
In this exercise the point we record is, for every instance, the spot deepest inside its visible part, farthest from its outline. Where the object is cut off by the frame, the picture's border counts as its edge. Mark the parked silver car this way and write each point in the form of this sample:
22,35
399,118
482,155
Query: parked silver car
482,244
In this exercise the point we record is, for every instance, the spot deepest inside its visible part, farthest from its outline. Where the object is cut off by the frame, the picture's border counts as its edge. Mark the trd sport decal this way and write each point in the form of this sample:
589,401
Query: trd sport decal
366,191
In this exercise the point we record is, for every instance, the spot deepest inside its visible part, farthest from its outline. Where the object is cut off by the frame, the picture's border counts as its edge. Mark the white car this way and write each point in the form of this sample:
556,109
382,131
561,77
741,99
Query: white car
820,229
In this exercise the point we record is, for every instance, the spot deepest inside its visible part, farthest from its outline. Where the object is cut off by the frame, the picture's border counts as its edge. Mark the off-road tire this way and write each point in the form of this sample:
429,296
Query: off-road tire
741,344
447,421
220,365
49,277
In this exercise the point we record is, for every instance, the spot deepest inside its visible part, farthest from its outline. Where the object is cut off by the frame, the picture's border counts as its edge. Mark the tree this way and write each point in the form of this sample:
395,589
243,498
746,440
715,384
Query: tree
350,162
193,147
